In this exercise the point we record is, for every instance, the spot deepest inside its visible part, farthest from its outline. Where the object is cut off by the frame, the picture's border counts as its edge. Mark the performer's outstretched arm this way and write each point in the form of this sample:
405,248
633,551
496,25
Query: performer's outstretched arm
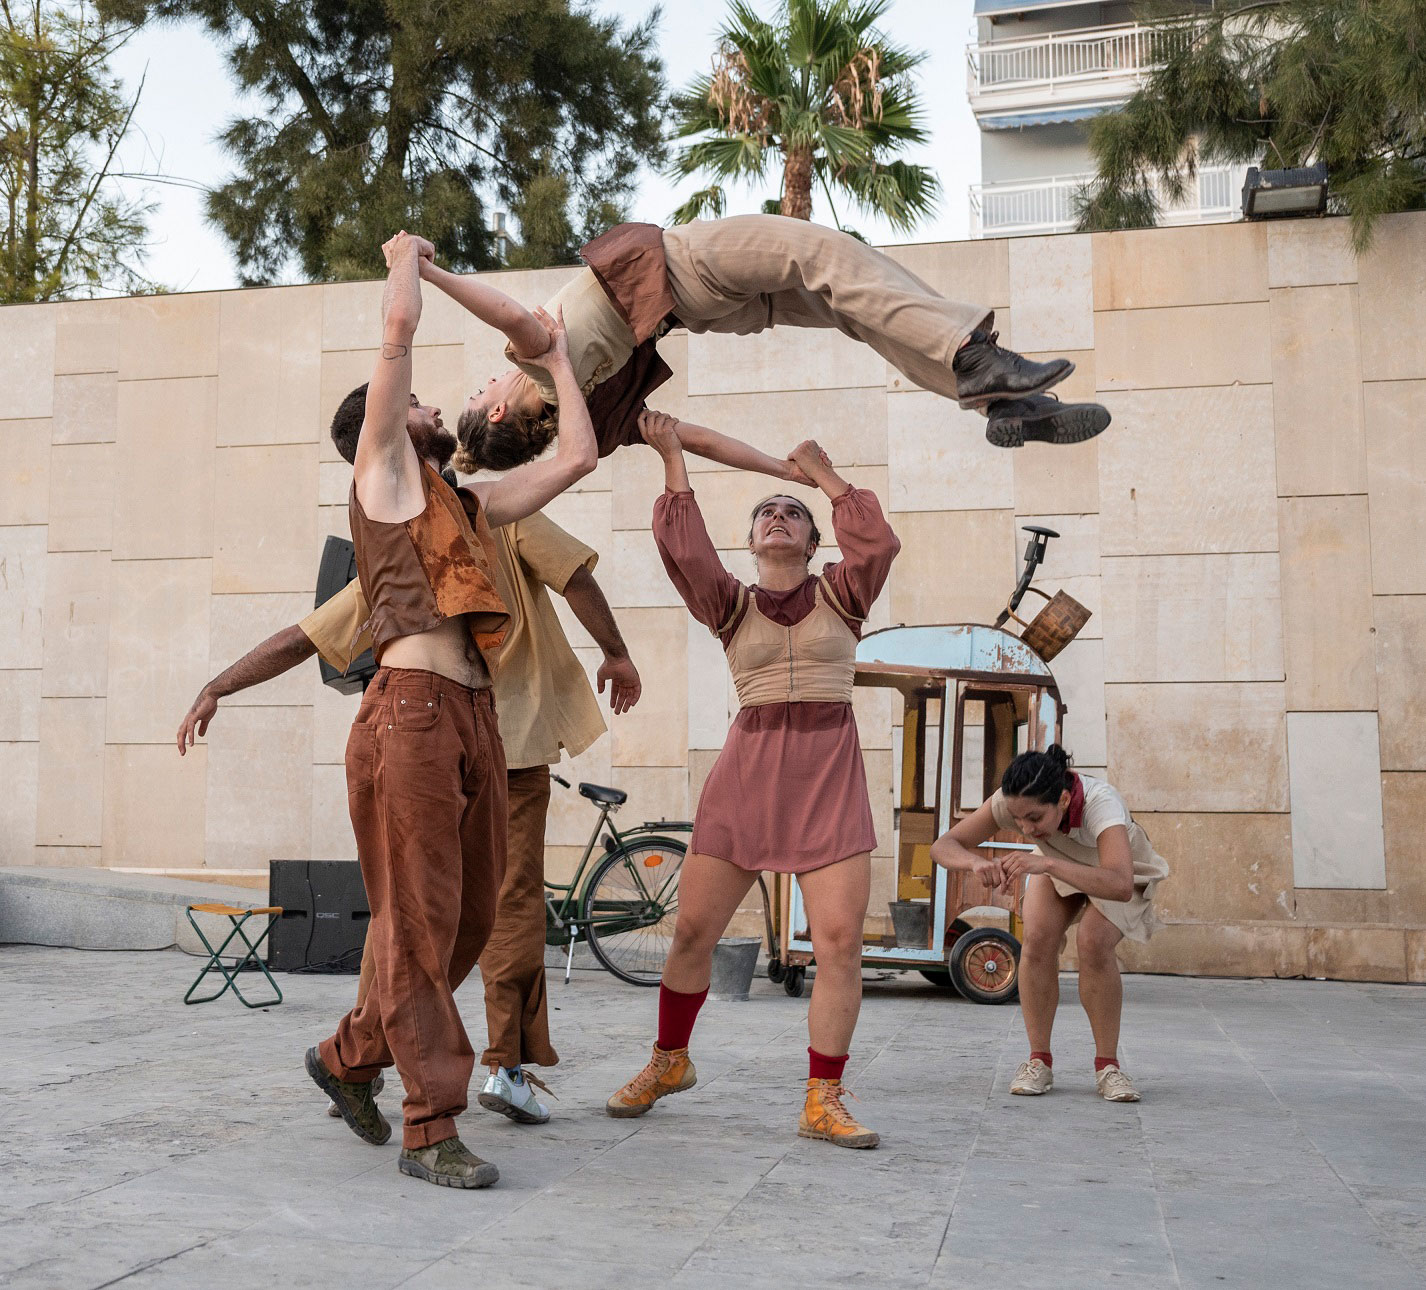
279,653
586,598
703,442
492,307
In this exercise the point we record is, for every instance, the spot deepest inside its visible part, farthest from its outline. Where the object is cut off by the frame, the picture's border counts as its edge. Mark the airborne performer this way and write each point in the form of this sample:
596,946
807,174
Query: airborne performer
742,275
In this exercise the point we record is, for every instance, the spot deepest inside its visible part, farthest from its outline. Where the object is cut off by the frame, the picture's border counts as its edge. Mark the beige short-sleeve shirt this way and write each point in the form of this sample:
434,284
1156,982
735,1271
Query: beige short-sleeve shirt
543,697
1104,807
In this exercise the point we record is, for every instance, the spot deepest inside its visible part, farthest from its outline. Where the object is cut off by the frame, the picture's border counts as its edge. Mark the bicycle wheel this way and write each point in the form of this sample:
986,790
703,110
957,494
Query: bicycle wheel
629,909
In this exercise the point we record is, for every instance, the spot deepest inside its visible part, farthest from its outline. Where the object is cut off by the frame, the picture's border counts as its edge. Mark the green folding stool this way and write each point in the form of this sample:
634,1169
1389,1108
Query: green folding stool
237,915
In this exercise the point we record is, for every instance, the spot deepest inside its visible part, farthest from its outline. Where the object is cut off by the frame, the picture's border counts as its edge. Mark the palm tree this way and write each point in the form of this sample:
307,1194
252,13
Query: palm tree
820,86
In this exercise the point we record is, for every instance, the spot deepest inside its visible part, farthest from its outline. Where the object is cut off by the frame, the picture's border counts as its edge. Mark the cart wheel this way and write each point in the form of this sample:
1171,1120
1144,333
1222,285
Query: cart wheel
938,976
793,981
776,970
985,965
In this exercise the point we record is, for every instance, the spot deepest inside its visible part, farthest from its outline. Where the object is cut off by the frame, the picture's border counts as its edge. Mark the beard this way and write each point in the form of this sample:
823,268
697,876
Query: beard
437,443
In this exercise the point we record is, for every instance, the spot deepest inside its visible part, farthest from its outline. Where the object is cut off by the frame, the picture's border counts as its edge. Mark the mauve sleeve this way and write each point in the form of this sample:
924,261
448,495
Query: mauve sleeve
692,562
868,547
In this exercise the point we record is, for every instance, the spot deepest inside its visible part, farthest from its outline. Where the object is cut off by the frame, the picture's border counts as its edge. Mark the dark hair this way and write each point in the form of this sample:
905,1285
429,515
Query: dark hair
752,519
501,445
346,424
1040,776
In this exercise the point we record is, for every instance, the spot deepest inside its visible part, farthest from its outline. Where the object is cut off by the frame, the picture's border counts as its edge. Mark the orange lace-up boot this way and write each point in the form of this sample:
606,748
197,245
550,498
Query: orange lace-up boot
825,1117
667,1072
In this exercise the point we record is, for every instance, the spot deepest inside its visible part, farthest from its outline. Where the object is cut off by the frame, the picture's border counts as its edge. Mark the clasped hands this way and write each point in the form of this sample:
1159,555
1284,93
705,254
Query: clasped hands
1002,875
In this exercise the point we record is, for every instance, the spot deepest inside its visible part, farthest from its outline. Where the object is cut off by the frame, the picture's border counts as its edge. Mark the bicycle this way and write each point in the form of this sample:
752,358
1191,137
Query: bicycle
625,910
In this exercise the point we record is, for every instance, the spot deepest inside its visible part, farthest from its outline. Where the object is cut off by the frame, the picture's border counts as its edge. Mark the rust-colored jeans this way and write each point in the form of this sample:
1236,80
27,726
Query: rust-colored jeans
513,964
426,789
517,1014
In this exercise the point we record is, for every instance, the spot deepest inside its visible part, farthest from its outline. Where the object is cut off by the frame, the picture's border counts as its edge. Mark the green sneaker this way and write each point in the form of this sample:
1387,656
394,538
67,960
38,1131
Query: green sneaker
377,1085
447,1163
356,1102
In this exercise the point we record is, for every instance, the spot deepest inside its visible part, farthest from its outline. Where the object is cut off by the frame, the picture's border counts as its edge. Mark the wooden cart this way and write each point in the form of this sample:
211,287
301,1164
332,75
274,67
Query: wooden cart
970,698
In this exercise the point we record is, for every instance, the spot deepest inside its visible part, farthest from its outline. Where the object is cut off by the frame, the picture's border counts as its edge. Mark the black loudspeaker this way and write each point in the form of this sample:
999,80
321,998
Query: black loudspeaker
338,568
324,917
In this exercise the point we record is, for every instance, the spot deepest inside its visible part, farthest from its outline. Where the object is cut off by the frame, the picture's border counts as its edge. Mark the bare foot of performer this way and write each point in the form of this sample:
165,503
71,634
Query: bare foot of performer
743,275
788,792
1098,869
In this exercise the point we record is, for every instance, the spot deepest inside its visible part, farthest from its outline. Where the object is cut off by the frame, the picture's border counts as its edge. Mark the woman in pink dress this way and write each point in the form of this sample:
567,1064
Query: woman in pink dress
788,792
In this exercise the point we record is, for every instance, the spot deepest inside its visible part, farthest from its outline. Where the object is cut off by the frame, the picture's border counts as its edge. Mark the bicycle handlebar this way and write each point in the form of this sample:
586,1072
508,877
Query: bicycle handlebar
559,779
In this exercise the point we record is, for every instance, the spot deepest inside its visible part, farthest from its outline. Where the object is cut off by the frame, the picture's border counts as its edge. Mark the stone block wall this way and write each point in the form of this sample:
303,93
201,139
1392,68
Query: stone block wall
1247,534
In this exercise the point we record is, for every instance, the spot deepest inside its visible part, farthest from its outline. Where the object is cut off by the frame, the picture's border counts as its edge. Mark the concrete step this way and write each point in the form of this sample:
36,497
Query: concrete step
100,909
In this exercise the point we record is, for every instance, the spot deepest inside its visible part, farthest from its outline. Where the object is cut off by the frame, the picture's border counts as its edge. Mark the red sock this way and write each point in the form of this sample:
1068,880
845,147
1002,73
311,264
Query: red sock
677,1013
820,1066
1044,1057
1101,1062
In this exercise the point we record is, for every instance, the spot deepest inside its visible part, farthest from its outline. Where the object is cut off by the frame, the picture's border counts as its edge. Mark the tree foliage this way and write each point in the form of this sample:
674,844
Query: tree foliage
1278,83
67,228
385,114
820,89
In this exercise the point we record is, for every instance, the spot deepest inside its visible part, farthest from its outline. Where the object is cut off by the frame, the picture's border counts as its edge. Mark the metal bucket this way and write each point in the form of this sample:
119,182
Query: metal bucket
1058,623
735,959
911,921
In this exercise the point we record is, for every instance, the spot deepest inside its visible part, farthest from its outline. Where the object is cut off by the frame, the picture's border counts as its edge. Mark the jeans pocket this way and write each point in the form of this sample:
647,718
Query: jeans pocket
361,756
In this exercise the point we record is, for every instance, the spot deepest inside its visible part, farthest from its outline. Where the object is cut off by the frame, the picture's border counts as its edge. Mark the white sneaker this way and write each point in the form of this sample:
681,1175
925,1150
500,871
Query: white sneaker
1115,1086
510,1093
1032,1079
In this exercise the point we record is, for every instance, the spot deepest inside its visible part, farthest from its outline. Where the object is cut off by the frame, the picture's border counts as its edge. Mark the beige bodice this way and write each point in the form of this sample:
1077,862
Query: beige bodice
813,661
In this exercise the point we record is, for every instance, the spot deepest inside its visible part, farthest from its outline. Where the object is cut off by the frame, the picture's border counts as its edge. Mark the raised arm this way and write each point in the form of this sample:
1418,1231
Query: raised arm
867,543
524,490
386,471
492,307
689,557
277,654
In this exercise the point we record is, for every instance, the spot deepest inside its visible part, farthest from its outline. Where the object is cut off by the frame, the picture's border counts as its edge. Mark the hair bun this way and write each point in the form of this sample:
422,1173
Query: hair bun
1058,755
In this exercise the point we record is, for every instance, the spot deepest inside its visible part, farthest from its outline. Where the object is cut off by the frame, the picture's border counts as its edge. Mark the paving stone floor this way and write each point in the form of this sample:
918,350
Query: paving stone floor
1281,1142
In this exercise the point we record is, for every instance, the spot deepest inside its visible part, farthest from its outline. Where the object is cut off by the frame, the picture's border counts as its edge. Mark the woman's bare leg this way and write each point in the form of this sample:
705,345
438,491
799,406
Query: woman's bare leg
1047,917
836,900
709,893
1101,988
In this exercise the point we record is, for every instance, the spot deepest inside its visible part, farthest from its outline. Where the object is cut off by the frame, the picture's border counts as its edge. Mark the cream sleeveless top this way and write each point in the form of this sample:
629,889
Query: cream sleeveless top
813,661
600,341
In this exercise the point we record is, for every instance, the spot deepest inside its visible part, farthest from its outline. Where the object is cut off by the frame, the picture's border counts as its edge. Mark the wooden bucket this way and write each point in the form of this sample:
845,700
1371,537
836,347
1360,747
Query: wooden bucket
1058,623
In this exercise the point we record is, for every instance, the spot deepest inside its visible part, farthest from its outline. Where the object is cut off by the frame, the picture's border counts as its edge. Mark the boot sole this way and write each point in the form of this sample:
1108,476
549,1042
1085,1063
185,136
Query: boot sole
493,1102
483,1177
633,1112
983,400
327,1083
1059,425
867,1145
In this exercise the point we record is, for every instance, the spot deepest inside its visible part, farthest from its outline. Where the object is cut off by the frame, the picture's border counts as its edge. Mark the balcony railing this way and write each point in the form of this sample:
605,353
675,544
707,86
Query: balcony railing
1047,205
1086,65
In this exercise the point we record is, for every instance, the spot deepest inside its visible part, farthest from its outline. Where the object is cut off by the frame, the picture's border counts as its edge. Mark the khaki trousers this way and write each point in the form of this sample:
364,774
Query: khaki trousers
750,272
426,790
512,966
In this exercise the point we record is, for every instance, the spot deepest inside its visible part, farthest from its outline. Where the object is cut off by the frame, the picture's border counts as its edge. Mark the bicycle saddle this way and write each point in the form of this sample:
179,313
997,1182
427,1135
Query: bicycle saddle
608,796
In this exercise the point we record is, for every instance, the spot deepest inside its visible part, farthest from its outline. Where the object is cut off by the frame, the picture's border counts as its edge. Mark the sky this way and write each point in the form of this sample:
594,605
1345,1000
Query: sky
188,97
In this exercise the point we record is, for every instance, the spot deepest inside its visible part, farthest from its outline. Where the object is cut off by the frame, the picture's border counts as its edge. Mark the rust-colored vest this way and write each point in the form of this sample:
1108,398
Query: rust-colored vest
434,566
629,262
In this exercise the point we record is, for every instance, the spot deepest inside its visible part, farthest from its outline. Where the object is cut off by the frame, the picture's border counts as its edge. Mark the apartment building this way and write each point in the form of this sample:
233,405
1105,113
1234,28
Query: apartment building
1037,74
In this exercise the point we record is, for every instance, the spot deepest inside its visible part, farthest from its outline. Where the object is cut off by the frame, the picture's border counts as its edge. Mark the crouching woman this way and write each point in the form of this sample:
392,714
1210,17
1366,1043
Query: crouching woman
1094,866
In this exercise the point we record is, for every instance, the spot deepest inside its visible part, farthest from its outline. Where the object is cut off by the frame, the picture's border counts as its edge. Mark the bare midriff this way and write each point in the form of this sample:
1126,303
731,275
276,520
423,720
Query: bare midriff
447,649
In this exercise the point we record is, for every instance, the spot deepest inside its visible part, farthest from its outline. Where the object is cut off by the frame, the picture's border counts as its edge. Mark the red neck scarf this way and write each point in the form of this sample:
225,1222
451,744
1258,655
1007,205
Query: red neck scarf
1074,812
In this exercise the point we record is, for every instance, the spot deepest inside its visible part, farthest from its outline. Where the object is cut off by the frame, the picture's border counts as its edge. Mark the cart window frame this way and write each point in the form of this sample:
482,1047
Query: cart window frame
981,692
